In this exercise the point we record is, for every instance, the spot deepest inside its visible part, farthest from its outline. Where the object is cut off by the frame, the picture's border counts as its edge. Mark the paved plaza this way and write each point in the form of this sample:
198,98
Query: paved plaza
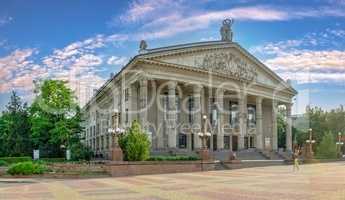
317,181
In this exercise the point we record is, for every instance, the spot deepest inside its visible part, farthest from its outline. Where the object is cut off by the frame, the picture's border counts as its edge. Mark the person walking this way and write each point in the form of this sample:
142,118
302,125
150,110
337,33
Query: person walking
295,160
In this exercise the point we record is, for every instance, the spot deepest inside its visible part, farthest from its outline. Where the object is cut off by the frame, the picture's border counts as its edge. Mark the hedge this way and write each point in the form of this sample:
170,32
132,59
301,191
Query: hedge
11,160
27,168
53,160
3,163
172,158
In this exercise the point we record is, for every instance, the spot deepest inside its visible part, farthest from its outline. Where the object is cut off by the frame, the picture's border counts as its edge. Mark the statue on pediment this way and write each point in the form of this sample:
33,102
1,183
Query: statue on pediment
225,30
142,46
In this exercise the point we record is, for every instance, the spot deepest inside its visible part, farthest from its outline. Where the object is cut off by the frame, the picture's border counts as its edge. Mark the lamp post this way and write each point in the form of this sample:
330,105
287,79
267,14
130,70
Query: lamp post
310,142
339,143
117,154
204,154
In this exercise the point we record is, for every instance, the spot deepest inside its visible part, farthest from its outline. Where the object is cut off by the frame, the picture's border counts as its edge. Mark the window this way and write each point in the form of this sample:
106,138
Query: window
127,118
126,94
182,140
107,142
234,114
190,109
97,129
226,142
251,116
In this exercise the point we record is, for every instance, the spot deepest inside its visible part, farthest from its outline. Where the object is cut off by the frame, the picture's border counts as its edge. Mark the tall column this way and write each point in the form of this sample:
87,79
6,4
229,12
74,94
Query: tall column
243,112
160,118
143,103
274,126
288,128
259,138
220,121
171,117
197,123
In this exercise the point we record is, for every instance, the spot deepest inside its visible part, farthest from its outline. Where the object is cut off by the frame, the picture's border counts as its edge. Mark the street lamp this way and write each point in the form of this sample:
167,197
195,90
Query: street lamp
339,143
117,154
310,143
115,133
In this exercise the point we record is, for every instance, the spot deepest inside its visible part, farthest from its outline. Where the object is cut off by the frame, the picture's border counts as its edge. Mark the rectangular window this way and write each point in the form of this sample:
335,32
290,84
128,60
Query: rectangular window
234,114
190,109
251,121
226,142
126,94
182,141
107,143
127,118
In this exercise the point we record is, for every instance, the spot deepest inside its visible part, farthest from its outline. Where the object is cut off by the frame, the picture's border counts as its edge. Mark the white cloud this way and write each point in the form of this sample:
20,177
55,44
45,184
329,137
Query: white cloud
5,20
302,61
115,60
17,70
164,18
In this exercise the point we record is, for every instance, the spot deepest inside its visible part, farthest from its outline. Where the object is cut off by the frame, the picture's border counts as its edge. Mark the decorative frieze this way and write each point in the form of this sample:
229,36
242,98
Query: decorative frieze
227,62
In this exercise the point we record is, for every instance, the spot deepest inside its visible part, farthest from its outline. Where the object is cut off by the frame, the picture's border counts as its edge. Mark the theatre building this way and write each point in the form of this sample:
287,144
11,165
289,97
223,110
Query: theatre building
178,91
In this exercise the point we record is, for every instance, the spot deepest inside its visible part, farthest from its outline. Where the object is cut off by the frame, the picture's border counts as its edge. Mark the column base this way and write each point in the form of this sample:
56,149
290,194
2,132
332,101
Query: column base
116,154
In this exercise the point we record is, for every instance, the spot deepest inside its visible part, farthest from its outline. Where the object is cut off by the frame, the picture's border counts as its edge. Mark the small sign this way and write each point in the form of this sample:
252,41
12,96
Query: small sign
36,154
68,154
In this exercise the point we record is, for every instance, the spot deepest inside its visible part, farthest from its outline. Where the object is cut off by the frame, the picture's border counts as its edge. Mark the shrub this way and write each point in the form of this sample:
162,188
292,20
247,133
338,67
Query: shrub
11,160
327,148
80,152
53,160
172,158
135,144
27,168
3,163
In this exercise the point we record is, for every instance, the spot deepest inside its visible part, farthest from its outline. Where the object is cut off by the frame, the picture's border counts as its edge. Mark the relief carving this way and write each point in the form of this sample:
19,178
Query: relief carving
226,62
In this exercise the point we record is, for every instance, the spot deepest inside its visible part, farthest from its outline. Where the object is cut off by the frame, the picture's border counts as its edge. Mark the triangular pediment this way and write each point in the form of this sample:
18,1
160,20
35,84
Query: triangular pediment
228,59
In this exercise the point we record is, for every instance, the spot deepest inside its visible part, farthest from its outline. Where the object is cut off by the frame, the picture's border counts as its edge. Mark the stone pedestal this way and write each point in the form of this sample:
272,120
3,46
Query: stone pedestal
308,153
116,154
232,156
204,154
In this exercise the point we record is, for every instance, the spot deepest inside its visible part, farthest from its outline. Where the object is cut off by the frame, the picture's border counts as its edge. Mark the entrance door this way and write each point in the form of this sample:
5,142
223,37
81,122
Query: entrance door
246,144
226,142
234,141
251,142
214,142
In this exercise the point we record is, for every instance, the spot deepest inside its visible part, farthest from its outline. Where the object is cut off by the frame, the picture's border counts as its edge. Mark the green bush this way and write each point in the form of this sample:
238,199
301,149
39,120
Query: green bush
80,152
53,160
172,158
327,148
27,168
135,144
11,160
3,163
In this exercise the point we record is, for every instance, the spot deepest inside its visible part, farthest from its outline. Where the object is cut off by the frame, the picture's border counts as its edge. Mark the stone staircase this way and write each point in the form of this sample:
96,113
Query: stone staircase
250,154
247,154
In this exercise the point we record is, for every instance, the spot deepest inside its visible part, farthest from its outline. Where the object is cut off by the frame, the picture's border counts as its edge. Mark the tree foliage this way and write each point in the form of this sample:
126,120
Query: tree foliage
135,143
55,118
327,149
15,137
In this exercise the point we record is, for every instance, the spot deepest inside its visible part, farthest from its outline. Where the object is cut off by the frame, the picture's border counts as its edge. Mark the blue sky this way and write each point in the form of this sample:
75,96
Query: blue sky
83,42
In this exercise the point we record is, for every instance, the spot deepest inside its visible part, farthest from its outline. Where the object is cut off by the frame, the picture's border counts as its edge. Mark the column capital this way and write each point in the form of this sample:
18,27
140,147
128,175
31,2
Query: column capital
172,85
143,81
197,88
259,99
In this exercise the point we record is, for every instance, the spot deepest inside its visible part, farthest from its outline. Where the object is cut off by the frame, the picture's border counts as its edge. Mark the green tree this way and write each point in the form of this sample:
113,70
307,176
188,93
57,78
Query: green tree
15,137
55,118
135,143
327,148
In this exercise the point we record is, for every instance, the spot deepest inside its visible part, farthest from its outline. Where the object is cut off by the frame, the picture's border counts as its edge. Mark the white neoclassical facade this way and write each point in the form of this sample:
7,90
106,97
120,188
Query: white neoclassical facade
170,90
